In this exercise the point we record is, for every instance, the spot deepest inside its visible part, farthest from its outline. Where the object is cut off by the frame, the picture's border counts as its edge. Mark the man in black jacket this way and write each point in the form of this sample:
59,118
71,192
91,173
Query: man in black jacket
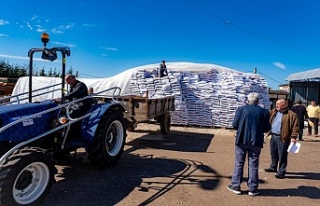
78,90
302,114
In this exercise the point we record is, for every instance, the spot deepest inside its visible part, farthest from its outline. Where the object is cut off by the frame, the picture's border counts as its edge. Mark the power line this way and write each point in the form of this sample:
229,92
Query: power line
227,23
270,77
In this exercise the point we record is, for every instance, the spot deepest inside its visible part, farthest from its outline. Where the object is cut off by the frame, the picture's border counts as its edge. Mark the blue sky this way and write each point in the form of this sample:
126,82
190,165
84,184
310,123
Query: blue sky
106,37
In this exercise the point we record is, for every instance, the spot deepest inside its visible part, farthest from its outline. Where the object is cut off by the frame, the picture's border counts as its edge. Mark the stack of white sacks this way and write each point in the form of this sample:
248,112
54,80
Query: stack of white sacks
205,94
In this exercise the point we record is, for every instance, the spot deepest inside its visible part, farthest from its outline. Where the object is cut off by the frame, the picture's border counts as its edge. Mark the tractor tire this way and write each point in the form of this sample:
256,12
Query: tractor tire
26,177
165,123
107,145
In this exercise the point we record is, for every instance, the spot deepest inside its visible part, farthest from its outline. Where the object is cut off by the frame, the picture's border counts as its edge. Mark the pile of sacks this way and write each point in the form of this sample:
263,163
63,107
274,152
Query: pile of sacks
205,94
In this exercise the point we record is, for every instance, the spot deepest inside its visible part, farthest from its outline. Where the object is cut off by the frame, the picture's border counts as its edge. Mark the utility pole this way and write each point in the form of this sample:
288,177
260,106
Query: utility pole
255,70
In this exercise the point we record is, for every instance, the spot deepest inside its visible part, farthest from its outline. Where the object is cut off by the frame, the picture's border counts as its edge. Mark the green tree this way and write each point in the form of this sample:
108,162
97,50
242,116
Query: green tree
50,73
8,70
16,71
42,72
70,71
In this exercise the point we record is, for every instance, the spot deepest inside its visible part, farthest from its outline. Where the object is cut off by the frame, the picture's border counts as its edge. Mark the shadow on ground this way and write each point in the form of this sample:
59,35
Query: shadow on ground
303,175
80,183
301,191
175,141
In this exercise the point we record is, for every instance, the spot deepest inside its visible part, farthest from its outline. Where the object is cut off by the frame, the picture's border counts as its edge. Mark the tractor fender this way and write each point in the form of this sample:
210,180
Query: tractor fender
90,124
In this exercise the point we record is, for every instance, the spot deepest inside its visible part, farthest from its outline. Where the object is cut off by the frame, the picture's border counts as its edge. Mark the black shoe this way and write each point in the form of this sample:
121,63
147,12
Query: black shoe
278,176
235,190
270,170
253,192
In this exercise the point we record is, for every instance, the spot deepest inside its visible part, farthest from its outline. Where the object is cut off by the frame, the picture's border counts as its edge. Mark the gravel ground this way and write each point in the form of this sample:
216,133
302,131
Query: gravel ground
190,166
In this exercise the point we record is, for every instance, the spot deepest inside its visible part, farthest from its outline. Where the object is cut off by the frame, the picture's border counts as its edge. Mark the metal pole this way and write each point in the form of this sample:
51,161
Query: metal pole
30,73
63,71
307,92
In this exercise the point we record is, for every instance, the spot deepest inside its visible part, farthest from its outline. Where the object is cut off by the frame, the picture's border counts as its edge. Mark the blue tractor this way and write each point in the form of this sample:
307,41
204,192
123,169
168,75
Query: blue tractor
33,135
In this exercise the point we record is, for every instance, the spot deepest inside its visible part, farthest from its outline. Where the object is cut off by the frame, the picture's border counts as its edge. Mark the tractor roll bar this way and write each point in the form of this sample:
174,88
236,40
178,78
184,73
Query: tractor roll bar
65,51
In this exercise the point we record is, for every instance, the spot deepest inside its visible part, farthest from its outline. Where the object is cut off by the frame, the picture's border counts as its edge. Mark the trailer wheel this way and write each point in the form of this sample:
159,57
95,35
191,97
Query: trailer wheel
130,127
165,123
107,145
26,177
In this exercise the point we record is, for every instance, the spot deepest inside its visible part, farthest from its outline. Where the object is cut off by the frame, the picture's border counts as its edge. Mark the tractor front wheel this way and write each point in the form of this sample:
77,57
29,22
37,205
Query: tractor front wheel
26,177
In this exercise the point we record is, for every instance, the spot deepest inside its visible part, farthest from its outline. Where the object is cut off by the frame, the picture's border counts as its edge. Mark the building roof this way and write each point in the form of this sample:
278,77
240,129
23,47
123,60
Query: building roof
306,75
278,92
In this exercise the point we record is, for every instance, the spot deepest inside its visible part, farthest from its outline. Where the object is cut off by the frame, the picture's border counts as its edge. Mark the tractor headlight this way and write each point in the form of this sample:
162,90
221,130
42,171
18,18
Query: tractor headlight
63,120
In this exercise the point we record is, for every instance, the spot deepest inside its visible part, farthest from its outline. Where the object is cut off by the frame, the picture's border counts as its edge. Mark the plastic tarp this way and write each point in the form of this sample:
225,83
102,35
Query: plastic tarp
99,84
205,94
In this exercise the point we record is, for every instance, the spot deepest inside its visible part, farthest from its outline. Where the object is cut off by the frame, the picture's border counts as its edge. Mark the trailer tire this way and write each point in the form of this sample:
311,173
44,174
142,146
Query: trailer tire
107,145
26,177
165,123
130,127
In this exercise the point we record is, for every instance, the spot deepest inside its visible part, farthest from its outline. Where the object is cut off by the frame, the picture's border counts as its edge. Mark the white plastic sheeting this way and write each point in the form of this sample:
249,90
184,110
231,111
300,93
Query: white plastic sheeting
22,86
205,94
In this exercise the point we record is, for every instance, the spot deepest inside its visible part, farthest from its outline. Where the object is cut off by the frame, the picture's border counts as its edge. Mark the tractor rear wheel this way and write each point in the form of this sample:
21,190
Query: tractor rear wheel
26,177
107,145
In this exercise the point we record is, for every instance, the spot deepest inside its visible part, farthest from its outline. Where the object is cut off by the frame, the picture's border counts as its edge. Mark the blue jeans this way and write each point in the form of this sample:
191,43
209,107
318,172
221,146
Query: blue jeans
279,154
241,151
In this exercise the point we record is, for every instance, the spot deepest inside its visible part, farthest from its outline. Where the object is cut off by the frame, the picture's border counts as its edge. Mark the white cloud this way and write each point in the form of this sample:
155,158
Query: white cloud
40,30
3,22
109,48
69,26
89,25
3,35
21,57
29,26
105,55
64,44
56,31
34,17
62,28
279,65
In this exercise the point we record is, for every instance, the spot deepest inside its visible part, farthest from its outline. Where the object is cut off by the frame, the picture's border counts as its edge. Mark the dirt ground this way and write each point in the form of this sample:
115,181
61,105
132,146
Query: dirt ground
190,166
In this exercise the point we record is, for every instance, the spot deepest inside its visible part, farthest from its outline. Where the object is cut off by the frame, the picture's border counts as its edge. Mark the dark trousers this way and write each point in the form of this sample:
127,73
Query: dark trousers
253,163
315,122
301,127
279,154
75,128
